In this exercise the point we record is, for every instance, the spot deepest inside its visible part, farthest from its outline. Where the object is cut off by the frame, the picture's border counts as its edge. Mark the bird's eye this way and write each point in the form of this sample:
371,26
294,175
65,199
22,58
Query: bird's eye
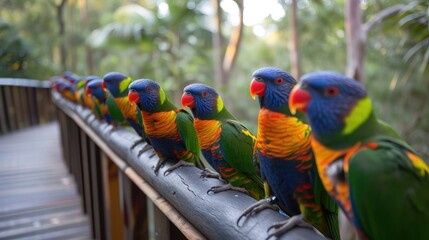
259,79
132,90
331,91
279,80
205,94
148,89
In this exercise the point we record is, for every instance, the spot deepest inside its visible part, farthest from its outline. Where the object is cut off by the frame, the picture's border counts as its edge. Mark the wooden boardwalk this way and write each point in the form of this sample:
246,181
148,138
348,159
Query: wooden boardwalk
38,196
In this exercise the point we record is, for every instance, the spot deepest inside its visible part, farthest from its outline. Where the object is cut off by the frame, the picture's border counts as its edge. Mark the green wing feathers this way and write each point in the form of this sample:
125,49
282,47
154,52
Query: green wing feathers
185,125
115,112
237,146
394,174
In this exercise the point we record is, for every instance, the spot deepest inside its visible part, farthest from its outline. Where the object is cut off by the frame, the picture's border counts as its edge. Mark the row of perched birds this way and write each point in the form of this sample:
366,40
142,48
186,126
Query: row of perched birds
332,153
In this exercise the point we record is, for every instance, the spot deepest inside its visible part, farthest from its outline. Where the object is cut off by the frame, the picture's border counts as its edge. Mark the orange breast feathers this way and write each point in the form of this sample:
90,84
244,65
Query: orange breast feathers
89,102
103,108
324,157
281,136
208,132
128,109
161,124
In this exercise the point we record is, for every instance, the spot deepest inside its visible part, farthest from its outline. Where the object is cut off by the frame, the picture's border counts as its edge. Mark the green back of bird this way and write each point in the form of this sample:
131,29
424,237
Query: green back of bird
389,189
185,125
115,112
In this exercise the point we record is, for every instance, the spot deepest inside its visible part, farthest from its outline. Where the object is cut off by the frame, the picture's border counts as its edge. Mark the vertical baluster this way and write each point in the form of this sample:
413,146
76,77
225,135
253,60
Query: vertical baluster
88,191
98,191
16,106
3,112
29,96
134,209
50,109
114,219
23,108
162,225
11,118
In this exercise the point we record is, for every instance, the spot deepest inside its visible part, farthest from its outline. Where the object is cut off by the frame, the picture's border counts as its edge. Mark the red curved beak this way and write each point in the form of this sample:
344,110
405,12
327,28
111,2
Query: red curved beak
133,97
299,99
88,91
188,100
103,84
257,88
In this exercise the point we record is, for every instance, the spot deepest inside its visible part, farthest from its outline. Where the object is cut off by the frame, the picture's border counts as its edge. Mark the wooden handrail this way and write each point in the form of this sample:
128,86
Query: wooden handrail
24,103
181,195
23,82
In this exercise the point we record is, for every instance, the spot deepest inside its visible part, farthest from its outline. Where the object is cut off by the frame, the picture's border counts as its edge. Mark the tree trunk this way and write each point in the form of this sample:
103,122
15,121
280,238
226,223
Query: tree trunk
74,26
217,43
355,40
233,46
357,33
88,50
225,61
294,43
61,32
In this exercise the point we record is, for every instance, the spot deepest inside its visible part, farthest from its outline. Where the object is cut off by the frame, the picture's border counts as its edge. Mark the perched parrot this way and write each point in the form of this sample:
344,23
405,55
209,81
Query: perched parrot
225,142
79,85
169,129
286,159
95,89
87,98
66,89
379,182
117,85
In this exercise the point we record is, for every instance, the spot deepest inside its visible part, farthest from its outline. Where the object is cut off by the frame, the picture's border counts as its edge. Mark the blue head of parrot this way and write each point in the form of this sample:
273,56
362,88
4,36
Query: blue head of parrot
332,102
116,83
203,100
95,88
64,86
147,94
273,86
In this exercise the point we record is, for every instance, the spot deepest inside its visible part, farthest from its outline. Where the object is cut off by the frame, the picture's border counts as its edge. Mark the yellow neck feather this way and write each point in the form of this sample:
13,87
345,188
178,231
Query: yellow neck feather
358,115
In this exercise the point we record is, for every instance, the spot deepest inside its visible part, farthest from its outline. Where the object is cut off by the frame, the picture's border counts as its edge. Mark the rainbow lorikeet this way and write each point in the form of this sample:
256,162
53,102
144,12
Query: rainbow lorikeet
65,88
118,104
170,129
87,98
95,89
287,162
78,86
378,180
225,142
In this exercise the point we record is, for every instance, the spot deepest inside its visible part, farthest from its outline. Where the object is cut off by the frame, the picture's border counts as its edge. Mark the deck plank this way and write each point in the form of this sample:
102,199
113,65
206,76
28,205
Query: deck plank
38,196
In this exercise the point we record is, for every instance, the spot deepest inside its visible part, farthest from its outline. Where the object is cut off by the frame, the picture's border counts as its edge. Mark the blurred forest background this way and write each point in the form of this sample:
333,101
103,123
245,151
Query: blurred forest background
383,43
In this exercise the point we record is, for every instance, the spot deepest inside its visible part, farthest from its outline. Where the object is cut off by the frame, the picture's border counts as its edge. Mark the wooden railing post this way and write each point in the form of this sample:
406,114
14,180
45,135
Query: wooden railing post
134,209
115,223
11,109
3,111
97,193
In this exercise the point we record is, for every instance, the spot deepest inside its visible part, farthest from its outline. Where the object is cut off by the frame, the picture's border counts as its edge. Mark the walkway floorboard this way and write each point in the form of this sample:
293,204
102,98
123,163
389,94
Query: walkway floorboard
38,196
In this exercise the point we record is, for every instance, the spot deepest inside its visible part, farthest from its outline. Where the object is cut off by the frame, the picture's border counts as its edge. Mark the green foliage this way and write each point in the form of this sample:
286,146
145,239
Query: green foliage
170,41
415,23
151,44
14,52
